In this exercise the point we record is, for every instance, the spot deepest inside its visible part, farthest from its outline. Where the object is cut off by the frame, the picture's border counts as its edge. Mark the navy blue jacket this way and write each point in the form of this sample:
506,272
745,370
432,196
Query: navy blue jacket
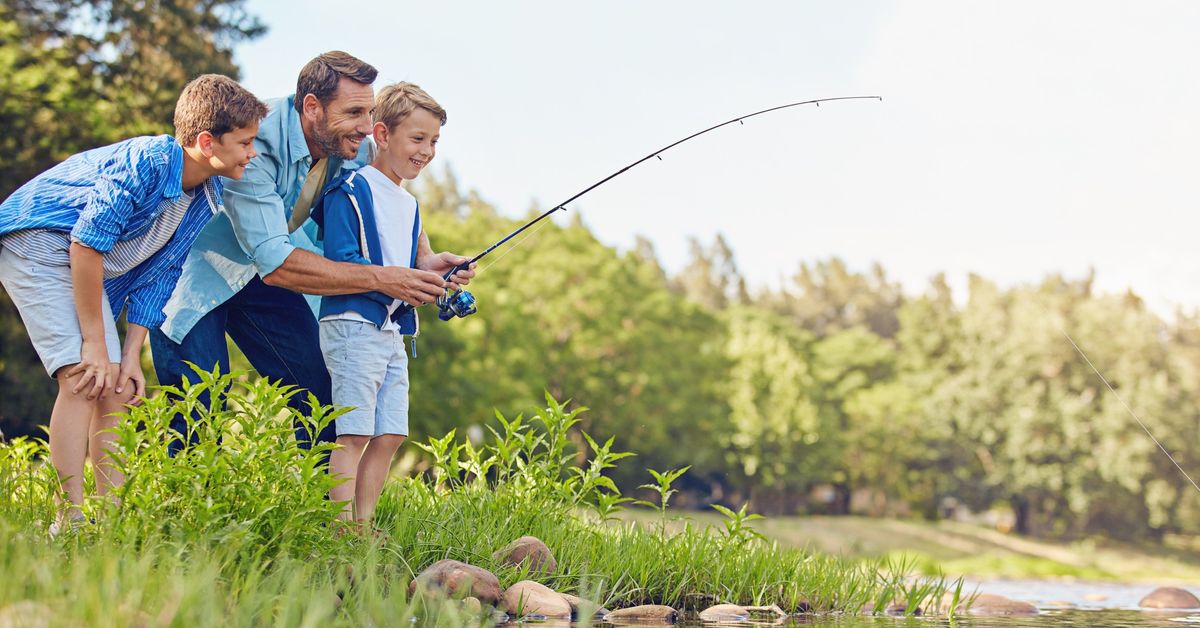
346,214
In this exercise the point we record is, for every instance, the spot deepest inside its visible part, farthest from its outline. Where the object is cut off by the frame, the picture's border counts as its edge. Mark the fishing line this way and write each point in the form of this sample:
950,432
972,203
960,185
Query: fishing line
461,303
1127,408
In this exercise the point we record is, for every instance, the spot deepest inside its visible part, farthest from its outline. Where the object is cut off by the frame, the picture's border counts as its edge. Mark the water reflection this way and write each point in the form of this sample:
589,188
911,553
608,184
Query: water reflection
1074,618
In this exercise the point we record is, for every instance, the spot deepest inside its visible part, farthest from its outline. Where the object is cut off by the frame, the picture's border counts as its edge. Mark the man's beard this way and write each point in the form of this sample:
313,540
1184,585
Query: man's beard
331,143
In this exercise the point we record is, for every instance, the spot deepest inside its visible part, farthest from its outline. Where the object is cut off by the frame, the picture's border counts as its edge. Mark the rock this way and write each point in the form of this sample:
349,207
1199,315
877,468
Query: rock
1095,597
1170,597
899,609
896,608
529,550
527,598
646,614
456,579
26,614
725,612
472,606
986,605
583,608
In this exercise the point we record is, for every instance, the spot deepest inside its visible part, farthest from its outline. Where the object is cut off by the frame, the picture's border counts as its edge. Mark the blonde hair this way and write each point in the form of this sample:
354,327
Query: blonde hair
396,102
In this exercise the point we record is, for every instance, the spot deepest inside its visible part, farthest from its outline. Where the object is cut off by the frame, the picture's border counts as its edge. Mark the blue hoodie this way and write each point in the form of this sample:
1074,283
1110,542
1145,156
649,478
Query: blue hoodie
346,214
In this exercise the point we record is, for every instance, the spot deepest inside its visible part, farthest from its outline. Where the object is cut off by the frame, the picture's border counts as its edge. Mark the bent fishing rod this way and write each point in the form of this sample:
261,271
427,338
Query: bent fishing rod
460,303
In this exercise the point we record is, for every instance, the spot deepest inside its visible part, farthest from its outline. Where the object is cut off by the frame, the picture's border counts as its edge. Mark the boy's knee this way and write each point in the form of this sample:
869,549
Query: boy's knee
353,441
389,440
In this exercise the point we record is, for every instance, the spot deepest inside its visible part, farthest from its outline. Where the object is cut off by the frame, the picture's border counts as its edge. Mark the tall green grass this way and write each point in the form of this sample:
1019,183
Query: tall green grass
237,529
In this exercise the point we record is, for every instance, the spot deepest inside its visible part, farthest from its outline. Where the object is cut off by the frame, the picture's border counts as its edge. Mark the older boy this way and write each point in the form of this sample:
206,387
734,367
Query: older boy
118,220
369,218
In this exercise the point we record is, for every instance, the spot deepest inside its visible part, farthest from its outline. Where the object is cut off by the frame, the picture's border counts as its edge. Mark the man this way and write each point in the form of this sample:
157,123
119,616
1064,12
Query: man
246,272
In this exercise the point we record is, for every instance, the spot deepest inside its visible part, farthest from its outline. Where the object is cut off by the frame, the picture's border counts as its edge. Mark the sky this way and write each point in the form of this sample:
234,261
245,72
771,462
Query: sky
1015,138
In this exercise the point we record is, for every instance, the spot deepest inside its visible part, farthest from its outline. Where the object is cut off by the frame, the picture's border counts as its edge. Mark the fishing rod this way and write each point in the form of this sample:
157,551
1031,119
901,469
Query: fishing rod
460,303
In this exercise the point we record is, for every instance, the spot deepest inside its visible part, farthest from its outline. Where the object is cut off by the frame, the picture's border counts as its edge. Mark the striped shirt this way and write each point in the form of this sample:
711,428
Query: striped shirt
114,194
53,248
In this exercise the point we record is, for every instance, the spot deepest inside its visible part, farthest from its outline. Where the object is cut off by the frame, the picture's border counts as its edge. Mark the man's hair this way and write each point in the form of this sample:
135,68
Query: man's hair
396,102
216,104
320,76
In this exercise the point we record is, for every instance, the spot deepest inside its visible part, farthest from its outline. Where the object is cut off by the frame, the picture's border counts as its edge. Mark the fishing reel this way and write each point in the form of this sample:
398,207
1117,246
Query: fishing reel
459,303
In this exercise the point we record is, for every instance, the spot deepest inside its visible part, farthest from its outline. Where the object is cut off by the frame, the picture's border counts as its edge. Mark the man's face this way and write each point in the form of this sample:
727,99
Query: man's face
341,126
232,151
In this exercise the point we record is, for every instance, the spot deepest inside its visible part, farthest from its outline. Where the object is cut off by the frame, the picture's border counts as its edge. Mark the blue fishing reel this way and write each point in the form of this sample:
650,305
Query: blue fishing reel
460,304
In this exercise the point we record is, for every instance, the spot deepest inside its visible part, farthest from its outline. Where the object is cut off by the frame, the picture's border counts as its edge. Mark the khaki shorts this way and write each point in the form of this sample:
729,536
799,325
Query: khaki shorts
45,298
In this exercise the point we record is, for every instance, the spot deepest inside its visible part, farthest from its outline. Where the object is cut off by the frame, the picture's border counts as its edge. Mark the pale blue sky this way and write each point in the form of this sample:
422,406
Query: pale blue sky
1015,138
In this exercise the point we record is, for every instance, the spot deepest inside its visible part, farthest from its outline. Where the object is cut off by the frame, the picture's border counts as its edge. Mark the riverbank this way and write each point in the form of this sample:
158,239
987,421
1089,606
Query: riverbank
972,551
236,530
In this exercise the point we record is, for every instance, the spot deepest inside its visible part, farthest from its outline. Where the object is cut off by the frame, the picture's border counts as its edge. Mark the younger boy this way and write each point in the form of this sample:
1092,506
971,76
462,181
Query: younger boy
115,221
369,218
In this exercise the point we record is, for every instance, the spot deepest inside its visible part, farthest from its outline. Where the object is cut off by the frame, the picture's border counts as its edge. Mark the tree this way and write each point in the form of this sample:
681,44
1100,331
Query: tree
76,74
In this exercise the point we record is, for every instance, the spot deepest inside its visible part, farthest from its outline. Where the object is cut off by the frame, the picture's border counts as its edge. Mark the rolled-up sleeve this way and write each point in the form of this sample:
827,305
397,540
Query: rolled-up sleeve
116,191
259,219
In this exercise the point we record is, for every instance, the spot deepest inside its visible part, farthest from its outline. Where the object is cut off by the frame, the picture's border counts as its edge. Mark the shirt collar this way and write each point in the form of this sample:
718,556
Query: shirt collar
296,132
174,187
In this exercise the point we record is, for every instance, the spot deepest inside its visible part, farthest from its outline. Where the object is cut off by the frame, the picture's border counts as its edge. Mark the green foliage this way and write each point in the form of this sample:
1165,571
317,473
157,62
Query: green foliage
237,532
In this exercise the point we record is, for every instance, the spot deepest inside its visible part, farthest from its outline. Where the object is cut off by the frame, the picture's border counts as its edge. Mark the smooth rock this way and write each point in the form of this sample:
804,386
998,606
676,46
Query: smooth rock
457,579
1170,597
725,612
645,614
531,598
1095,597
986,605
583,608
26,614
529,550
899,609
472,606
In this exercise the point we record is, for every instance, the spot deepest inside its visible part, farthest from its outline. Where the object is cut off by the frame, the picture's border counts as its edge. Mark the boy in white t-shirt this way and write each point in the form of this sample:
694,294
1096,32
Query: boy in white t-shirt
369,218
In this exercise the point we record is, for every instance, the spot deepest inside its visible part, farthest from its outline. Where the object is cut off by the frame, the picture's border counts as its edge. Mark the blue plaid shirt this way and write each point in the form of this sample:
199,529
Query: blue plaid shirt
114,193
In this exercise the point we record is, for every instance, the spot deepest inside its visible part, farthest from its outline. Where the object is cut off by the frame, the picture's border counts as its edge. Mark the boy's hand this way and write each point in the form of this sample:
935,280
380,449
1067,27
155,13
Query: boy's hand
131,375
93,364
441,263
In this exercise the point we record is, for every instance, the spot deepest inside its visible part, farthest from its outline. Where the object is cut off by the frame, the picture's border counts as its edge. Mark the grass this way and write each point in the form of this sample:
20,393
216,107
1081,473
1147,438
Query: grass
968,550
237,530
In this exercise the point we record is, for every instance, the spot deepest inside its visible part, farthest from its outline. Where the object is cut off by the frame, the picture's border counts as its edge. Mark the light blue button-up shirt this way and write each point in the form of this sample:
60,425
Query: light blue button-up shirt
250,236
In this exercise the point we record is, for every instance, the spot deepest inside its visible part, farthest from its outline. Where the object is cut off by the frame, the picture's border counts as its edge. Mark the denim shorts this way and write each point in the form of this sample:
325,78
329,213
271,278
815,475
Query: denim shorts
45,298
368,368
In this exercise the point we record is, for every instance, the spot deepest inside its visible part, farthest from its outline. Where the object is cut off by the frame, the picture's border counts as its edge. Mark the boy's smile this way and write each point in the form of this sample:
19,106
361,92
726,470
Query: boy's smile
404,150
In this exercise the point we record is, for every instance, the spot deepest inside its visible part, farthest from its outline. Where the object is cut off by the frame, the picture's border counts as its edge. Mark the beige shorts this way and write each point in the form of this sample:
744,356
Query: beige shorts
45,298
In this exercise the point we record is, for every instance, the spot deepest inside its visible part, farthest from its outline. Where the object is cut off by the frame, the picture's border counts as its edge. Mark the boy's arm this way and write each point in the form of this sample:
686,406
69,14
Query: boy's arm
441,263
87,283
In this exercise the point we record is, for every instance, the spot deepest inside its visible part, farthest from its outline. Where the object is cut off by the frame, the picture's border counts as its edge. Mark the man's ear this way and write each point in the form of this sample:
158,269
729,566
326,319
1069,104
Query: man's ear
310,106
204,141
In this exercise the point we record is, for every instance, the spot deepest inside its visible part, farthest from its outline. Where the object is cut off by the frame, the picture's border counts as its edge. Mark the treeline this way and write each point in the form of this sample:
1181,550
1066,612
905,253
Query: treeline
835,393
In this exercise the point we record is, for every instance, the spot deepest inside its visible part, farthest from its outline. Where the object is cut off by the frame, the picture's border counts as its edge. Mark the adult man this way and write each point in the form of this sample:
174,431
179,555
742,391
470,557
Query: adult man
247,269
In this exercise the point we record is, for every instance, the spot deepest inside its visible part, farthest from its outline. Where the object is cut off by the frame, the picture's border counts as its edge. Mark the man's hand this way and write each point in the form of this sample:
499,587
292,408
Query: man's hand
413,286
441,263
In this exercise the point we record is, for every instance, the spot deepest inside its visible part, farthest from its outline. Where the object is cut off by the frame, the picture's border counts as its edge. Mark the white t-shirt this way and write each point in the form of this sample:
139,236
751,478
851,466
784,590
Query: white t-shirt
395,211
